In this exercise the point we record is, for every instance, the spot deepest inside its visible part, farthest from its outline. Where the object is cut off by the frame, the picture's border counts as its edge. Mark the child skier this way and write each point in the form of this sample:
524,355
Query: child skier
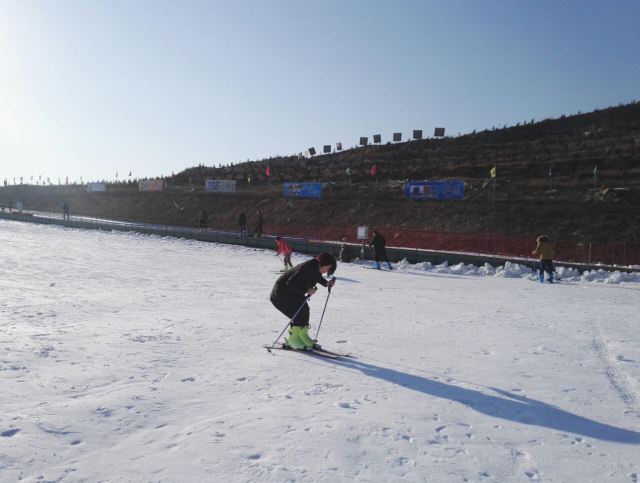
291,290
285,250
545,248
378,242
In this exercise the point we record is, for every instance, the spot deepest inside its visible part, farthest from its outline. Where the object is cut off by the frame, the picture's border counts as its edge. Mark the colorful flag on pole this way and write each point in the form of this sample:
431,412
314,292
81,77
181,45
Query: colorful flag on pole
267,171
374,170
493,172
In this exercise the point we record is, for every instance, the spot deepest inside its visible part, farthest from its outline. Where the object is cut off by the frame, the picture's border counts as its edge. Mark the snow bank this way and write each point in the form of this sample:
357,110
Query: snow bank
514,270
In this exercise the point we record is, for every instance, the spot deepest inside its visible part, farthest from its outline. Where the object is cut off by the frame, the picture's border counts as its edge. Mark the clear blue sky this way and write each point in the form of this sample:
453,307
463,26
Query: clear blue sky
88,88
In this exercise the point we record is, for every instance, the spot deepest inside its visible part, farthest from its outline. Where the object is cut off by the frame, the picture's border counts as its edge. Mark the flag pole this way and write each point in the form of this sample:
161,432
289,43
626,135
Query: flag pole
493,174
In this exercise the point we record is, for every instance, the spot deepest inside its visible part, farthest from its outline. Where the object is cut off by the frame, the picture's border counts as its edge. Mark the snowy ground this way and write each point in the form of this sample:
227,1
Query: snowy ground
135,358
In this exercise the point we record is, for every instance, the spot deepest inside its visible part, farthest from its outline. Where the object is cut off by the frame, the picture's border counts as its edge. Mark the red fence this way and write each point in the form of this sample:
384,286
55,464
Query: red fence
618,253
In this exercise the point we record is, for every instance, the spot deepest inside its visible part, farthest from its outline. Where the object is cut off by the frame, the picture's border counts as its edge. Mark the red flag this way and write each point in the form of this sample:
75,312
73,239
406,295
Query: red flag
268,171
374,170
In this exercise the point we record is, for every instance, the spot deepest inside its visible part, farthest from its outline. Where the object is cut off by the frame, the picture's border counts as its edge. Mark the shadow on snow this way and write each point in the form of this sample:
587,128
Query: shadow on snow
505,405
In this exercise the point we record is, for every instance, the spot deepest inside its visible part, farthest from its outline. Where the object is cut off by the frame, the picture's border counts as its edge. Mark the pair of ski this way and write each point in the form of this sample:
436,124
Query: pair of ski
313,351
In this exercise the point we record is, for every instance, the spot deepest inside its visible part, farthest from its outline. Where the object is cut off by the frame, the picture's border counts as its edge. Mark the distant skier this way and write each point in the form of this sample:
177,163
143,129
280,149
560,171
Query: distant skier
379,245
204,216
259,223
343,256
242,221
65,211
545,247
289,293
285,250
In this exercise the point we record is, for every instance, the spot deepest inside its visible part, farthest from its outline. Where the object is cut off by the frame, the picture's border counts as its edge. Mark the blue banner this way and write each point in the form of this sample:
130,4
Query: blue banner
302,190
435,190
224,185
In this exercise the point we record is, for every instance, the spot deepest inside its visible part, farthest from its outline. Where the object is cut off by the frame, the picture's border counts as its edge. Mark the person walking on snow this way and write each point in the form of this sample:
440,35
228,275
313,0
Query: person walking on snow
379,245
545,248
291,290
285,250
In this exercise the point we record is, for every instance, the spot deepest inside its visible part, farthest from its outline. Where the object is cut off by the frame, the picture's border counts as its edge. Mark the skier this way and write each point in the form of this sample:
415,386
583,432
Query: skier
285,250
291,290
343,256
204,216
242,221
259,223
378,244
545,248
65,211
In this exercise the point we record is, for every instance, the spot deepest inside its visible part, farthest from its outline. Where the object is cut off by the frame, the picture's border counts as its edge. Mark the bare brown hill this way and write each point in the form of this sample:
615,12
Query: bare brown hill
527,200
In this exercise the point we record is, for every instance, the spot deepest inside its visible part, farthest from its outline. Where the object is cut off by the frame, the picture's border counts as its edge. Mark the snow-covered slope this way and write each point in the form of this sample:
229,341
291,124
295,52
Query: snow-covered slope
135,358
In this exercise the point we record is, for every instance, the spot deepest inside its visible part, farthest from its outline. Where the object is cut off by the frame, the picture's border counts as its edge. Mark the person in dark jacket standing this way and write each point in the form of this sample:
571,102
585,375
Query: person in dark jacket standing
204,216
65,211
291,290
259,223
242,222
379,245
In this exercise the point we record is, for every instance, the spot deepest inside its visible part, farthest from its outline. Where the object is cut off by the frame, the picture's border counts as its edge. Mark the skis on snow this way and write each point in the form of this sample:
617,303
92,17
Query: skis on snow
318,352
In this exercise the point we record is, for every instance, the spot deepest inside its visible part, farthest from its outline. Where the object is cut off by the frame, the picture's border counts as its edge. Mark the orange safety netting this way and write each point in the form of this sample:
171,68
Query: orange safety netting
619,253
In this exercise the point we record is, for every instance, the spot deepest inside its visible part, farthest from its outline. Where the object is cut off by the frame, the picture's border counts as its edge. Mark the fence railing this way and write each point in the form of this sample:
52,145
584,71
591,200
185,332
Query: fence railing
614,253
621,253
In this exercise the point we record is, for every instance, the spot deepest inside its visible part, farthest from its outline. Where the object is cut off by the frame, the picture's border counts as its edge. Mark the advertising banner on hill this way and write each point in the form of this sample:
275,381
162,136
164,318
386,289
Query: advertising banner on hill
150,185
96,187
224,185
435,190
302,190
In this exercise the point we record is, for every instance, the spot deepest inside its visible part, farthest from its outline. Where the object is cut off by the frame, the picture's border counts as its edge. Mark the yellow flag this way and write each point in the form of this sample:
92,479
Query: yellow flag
493,172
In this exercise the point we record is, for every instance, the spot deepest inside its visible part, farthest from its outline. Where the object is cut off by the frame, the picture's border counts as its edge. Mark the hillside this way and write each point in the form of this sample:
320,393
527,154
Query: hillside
527,200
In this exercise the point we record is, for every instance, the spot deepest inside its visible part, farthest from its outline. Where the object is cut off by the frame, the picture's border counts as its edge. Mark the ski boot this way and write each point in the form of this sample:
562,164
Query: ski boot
304,337
299,338
294,341
389,265
378,265
551,277
541,277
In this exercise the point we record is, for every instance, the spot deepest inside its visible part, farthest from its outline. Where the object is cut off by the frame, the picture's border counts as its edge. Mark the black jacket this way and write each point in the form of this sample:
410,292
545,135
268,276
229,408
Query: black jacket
298,280
378,243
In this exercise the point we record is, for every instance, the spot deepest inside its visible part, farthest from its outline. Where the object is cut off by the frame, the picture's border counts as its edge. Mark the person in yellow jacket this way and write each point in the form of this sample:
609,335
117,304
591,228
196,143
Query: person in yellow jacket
545,248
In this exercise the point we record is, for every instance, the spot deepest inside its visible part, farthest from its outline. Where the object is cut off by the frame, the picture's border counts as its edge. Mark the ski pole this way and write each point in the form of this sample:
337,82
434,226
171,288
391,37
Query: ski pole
322,316
306,299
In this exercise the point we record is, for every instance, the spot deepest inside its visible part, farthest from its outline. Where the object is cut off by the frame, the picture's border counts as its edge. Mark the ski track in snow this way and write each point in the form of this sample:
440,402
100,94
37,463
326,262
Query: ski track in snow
626,387
135,358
